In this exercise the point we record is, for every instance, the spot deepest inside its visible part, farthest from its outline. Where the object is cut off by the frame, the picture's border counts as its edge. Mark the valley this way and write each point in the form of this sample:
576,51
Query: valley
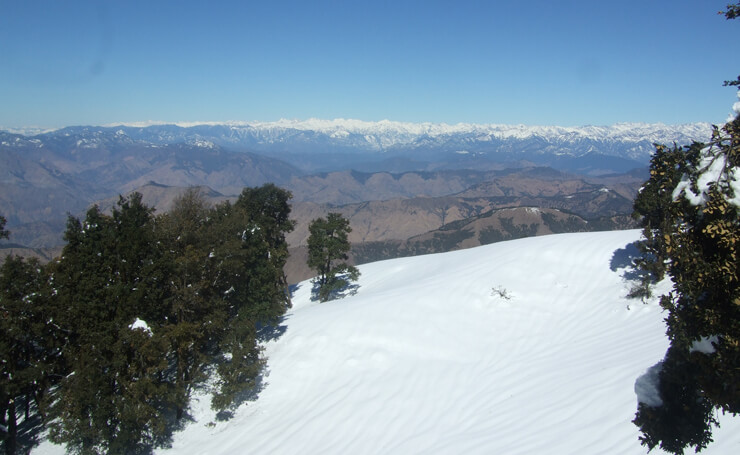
407,189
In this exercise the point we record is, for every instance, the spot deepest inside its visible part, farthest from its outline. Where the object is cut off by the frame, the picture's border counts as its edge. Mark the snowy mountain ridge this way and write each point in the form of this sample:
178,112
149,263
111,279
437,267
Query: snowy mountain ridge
308,143
389,132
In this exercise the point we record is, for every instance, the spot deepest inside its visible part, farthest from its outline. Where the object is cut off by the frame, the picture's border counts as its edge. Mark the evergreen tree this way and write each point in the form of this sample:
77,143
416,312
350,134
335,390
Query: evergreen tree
110,277
195,312
250,256
652,204
28,345
695,238
268,212
700,235
3,233
328,246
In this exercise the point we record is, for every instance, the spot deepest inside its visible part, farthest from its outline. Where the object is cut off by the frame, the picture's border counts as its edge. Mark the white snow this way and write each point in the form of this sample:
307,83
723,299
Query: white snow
714,170
735,109
140,324
646,386
426,359
386,132
202,143
704,345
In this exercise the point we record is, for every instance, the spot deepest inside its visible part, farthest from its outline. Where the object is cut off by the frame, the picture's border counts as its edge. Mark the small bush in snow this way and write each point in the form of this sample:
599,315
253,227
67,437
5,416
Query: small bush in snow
500,291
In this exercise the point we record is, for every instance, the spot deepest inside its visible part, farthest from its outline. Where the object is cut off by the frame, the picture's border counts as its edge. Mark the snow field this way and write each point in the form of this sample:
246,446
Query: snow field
425,358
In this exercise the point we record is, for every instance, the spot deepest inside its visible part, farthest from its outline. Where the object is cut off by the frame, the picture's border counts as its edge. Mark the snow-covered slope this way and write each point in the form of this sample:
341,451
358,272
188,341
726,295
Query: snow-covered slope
425,358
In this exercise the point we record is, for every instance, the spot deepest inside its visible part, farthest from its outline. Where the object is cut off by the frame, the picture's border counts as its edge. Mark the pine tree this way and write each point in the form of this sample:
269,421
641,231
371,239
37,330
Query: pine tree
328,245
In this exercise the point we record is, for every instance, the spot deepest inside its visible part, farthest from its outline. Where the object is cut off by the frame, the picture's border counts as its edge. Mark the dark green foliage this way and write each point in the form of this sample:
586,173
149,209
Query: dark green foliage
109,276
685,416
508,231
520,230
696,234
440,241
364,253
239,262
732,11
491,235
29,343
196,312
249,253
241,365
3,233
652,206
137,312
268,211
328,246
570,224
227,283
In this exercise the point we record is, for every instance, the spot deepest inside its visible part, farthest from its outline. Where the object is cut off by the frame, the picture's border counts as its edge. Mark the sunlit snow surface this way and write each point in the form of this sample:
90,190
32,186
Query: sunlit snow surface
425,358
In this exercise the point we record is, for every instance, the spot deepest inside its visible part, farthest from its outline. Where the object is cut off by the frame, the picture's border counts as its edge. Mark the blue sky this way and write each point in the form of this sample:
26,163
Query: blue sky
566,63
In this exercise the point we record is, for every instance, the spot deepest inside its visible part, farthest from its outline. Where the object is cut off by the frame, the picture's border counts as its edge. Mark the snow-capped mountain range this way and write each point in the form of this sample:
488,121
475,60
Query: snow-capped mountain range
403,132
389,136
324,145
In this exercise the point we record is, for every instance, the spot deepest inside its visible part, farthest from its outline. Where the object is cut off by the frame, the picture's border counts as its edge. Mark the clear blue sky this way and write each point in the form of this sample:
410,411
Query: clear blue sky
535,62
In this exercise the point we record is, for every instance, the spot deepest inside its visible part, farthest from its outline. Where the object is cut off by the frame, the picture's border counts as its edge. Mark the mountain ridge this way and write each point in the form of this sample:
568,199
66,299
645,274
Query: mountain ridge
627,140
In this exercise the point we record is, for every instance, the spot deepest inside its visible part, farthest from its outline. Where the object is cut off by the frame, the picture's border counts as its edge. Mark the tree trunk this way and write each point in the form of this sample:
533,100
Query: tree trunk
10,437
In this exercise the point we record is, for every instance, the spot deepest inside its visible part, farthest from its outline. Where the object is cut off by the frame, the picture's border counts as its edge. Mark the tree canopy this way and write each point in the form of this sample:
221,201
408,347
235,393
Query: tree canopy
109,340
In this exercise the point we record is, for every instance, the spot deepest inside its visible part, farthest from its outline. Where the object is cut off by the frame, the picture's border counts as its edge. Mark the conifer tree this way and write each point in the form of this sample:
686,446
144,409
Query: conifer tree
229,234
109,278
267,209
700,234
195,314
652,204
328,245
27,348
3,233
697,230
250,256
